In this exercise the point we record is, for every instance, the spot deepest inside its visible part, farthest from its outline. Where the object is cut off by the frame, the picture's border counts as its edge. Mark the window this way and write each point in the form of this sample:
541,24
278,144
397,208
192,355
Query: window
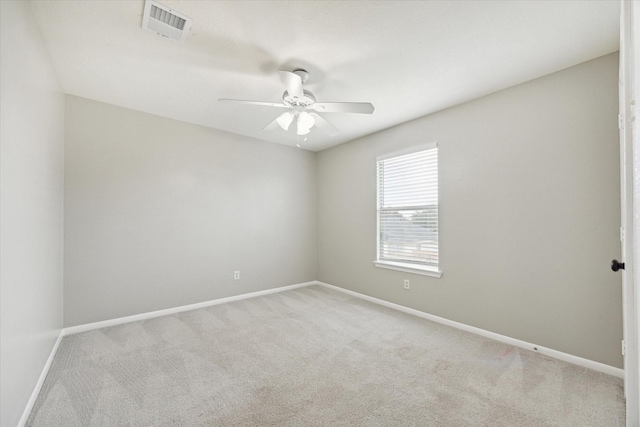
408,211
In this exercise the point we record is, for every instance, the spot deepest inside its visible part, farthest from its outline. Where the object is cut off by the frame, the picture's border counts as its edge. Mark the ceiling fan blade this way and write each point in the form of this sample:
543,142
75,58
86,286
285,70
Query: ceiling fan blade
293,83
242,101
324,125
273,125
343,107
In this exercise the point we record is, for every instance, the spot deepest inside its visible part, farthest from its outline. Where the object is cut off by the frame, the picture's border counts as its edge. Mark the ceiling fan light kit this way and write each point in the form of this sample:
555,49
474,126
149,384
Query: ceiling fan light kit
303,106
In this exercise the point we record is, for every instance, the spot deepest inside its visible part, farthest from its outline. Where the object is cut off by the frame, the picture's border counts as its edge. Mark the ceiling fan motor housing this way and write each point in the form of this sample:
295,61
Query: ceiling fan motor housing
293,101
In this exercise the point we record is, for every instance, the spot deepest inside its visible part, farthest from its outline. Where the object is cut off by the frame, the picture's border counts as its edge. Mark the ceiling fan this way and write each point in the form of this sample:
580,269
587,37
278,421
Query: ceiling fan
303,107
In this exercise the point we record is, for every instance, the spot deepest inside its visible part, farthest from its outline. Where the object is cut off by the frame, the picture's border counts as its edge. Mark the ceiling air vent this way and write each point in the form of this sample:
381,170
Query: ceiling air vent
165,22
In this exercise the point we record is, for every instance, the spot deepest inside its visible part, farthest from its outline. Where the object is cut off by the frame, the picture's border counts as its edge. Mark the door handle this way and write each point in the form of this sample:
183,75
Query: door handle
615,265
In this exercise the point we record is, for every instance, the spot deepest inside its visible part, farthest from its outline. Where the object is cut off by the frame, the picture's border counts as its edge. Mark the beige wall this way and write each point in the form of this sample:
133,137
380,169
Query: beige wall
160,213
31,197
529,214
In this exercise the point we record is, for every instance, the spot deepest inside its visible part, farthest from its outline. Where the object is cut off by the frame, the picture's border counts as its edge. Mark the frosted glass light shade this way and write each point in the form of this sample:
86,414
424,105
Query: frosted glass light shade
285,119
305,123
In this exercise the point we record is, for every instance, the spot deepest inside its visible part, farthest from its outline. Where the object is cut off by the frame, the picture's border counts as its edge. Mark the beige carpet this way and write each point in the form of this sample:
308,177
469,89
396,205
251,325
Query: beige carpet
312,357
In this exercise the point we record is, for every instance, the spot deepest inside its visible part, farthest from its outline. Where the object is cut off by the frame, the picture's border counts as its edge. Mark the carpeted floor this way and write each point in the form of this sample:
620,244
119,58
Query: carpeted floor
312,357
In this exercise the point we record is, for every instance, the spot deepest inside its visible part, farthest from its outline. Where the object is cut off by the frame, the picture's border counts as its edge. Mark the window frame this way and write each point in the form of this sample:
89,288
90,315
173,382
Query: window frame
425,270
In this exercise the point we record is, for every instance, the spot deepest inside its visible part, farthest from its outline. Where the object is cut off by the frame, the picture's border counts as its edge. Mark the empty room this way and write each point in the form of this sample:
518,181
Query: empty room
319,213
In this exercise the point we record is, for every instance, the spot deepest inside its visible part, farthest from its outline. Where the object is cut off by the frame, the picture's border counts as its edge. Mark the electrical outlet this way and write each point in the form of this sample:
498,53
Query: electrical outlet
236,275
406,284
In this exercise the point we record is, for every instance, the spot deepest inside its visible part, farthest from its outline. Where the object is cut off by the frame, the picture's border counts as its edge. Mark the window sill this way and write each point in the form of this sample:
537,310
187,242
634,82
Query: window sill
410,268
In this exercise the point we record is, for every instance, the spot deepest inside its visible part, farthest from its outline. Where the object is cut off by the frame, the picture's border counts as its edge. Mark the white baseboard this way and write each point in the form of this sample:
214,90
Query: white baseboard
586,363
38,387
167,311
596,366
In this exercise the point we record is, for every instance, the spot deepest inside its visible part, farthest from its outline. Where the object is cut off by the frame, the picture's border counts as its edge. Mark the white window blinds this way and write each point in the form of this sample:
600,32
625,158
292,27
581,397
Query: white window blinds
408,207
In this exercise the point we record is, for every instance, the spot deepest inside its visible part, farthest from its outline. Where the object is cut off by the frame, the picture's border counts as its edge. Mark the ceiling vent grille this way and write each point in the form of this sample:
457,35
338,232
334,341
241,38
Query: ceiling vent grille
165,22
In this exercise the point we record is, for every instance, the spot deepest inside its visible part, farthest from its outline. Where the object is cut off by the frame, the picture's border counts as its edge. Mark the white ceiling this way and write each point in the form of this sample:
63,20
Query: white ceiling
409,58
